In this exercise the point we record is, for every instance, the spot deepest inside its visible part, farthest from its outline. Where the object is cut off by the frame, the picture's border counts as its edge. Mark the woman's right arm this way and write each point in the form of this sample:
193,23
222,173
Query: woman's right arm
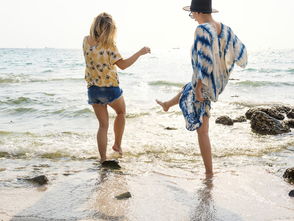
125,63
198,91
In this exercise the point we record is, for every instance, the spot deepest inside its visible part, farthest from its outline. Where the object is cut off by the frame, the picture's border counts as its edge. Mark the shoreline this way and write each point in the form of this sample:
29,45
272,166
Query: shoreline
160,193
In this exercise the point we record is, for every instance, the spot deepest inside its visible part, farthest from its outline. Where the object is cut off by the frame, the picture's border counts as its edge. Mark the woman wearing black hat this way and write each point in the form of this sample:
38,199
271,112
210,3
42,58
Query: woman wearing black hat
214,52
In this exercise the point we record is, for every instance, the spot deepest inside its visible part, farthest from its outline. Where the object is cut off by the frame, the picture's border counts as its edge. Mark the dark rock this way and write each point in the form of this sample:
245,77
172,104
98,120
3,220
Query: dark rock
290,114
4,154
111,164
275,112
282,109
122,196
264,124
291,193
240,119
290,123
41,180
226,120
289,175
42,165
170,128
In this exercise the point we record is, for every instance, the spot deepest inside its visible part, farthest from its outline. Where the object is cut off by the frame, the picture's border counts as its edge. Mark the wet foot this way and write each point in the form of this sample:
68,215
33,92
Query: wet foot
163,105
117,148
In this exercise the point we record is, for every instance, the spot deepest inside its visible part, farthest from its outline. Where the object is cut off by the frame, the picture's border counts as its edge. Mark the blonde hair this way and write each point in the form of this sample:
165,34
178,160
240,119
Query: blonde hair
103,30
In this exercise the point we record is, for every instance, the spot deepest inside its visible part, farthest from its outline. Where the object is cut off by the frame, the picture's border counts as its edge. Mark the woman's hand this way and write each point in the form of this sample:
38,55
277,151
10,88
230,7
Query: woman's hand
125,63
198,94
198,91
144,50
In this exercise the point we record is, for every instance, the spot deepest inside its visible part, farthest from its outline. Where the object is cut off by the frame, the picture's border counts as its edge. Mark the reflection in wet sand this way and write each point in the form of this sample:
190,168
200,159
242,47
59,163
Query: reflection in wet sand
104,204
205,207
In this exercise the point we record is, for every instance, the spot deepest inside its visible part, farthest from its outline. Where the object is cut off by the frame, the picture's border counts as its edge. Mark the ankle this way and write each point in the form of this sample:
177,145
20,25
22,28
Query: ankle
102,159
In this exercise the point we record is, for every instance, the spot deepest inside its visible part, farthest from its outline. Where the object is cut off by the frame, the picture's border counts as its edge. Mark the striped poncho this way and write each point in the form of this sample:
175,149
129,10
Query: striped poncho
213,58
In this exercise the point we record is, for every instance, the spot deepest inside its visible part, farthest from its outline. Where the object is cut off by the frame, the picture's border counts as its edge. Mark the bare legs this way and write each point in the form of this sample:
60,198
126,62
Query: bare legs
119,125
102,116
205,147
203,136
167,104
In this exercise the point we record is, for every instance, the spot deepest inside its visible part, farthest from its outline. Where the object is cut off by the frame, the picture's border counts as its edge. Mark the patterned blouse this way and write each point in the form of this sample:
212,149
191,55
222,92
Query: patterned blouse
100,68
213,59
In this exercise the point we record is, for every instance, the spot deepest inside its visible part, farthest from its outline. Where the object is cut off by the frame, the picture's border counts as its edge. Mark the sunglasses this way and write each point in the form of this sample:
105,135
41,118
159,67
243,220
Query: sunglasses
191,15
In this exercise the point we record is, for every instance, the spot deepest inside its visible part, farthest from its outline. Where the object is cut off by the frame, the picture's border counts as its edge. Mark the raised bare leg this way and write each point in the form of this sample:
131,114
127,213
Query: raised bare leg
119,122
205,147
167,104
102,116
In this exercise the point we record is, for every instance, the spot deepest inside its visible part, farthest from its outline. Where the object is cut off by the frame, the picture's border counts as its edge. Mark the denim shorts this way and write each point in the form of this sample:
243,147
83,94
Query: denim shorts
103,95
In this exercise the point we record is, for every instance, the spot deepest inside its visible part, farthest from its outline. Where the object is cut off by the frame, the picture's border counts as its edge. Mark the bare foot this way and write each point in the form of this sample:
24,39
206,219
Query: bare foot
163,105
117,148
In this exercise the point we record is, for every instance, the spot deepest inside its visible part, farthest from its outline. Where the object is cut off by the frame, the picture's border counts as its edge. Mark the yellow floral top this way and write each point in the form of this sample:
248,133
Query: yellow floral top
100,69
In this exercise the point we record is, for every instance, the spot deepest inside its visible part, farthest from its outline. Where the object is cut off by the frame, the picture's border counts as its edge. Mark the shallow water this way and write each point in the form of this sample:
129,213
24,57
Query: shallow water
47,127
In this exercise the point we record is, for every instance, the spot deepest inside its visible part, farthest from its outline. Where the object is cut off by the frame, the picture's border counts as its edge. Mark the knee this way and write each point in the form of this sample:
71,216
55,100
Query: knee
121,113
202,132
103,125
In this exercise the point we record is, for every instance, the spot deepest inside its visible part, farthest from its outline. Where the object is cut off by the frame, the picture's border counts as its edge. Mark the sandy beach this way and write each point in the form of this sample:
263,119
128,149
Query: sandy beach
243,193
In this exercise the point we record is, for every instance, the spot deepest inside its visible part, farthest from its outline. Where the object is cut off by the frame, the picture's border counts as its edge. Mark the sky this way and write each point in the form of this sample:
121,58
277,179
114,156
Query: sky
159,24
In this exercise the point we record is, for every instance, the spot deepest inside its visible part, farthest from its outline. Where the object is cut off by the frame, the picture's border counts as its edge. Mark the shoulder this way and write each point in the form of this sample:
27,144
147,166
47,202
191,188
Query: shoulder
227,30
85,41
86,38
203,30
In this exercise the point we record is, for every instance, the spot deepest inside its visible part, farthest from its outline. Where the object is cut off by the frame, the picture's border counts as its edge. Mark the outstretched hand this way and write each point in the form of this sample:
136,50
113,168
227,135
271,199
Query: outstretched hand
145,50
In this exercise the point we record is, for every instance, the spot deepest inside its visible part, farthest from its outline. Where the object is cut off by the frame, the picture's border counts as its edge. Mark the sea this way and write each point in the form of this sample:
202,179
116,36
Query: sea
48,128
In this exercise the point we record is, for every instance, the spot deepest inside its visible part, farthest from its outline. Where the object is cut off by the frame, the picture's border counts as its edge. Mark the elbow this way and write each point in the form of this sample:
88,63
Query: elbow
121,64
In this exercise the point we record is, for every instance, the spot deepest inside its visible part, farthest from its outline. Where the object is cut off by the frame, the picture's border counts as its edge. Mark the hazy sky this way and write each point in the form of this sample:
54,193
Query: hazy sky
260,24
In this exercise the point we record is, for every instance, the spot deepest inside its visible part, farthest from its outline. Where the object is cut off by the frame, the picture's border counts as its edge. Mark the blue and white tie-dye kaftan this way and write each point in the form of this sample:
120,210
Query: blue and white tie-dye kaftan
213,57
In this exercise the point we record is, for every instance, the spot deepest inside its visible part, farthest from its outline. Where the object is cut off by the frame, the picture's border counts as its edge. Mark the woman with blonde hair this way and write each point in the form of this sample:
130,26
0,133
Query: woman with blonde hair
101,58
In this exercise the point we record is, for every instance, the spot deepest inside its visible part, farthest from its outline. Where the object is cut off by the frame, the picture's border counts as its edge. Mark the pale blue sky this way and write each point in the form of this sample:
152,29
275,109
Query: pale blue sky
260,24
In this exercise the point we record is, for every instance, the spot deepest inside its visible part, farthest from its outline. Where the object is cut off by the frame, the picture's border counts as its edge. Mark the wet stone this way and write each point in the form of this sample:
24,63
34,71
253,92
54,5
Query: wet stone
264,124
275,112
289,175
41,180
240,119
225,120
122,196
170,128
111,164
290,123
290,114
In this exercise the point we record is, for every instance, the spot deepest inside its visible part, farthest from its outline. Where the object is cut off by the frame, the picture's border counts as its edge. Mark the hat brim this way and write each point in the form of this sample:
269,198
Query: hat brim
187,8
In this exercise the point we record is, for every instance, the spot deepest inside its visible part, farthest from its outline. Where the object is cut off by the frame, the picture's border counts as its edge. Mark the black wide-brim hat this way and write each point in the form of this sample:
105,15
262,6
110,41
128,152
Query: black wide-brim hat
203,6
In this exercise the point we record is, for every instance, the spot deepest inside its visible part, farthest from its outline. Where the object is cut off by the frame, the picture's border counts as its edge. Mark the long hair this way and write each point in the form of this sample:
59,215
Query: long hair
103,30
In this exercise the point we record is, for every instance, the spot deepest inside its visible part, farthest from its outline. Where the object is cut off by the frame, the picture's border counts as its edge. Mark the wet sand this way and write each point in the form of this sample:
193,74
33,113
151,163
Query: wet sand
235,194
